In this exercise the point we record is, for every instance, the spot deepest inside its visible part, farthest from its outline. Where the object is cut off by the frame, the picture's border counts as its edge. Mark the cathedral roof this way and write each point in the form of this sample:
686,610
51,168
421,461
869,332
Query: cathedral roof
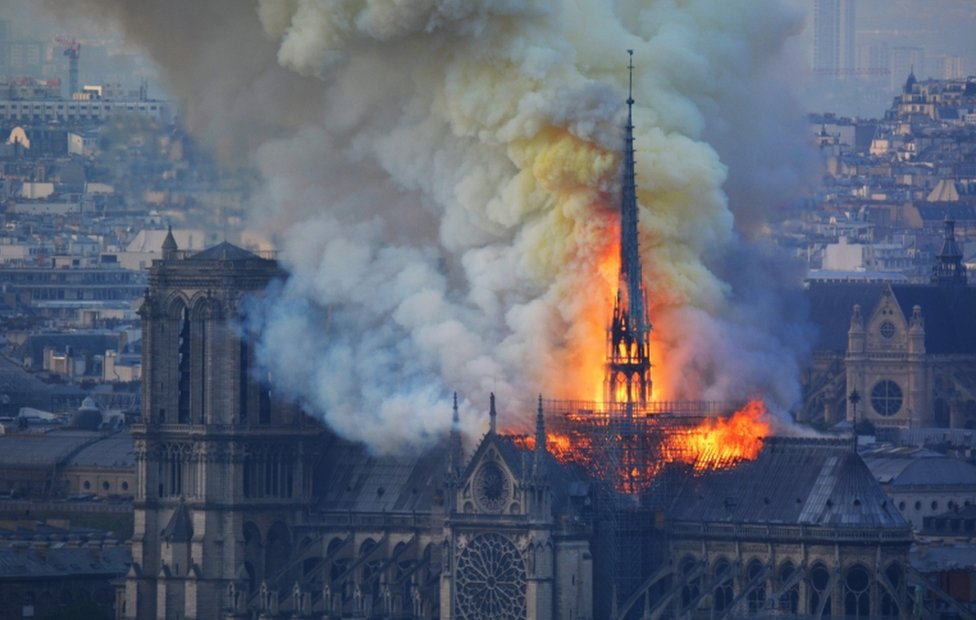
359,481
224,251
812,482
948,312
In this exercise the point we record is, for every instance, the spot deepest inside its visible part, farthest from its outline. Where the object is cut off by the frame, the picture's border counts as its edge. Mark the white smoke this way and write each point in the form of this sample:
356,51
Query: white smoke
446,194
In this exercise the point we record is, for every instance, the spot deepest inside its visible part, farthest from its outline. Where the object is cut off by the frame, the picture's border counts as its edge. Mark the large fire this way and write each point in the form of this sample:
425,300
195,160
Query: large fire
630,453
626,435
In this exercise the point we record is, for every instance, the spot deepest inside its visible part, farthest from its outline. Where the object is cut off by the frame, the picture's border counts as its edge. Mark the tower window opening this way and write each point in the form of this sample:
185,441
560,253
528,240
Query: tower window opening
242,382
183,409
264,406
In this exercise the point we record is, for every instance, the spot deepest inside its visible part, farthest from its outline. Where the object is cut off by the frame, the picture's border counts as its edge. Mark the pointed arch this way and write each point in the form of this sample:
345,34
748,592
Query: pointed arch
277,549
857,592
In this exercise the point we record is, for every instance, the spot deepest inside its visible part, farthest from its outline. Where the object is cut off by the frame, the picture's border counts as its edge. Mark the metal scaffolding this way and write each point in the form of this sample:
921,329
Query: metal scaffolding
625,448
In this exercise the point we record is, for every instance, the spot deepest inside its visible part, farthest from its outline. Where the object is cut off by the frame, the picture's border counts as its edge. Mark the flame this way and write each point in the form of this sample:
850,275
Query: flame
632,455
722,442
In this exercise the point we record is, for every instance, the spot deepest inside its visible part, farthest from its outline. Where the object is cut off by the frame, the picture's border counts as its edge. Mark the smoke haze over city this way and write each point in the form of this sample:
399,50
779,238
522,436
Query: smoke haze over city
440,178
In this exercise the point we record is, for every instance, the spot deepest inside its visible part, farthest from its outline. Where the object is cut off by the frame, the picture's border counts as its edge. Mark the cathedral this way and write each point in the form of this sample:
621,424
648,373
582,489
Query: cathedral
245,507
248,508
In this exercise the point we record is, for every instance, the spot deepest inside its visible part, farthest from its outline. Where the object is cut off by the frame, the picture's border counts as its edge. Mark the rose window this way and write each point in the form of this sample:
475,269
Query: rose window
886,398
490,580
492,488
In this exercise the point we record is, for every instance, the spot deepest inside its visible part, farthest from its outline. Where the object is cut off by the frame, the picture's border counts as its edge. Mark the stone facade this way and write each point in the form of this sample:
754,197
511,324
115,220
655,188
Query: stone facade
245,506
217,456
908,350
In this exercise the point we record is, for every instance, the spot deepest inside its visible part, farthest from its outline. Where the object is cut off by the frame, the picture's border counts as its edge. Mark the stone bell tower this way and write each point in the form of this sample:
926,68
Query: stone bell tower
222,465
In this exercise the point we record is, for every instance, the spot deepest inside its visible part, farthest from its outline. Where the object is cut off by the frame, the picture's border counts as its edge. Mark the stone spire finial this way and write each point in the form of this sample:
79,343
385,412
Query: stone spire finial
169,244
540,441
492,415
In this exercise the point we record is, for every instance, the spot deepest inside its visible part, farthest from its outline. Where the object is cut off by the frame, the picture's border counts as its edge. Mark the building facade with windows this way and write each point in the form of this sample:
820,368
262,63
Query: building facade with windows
896,355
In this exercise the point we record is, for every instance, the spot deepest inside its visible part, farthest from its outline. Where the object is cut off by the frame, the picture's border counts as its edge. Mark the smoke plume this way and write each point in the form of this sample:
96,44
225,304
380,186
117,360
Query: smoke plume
443,184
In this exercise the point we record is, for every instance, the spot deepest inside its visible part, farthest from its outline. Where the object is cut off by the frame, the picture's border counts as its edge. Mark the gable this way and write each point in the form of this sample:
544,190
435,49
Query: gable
490,483
887,327
946,310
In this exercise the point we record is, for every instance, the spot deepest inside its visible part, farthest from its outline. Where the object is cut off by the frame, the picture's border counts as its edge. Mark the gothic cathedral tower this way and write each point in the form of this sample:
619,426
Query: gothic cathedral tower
222,467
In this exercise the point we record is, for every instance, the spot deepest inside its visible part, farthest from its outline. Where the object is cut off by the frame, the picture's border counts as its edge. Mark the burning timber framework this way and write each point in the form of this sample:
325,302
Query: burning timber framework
627,444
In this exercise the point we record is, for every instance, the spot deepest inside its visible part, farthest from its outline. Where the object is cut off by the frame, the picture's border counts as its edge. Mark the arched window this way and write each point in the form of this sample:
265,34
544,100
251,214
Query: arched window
819,603
692,587
278,551
243,369
789,597
183,406
757,595
253,554
890,601
857,597
723,585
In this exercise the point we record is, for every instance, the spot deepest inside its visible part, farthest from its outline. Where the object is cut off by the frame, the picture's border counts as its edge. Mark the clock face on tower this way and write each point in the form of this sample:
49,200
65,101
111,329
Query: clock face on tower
491,488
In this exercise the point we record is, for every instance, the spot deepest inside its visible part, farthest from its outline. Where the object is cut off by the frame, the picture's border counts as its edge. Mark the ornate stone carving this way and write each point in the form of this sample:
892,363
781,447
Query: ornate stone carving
491,580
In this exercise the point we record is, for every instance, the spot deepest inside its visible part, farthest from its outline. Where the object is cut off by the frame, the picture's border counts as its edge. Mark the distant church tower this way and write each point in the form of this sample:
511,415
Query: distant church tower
949,269
628,371
222,468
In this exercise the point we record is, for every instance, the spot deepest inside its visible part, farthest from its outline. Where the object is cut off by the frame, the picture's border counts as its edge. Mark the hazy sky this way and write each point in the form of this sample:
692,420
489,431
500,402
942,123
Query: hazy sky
942,27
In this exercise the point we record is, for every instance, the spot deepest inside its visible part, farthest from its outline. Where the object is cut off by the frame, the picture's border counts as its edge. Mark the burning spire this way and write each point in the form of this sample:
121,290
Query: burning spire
628,372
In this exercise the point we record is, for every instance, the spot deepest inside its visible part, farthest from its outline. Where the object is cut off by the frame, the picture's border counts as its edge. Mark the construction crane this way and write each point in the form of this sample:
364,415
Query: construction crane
72,49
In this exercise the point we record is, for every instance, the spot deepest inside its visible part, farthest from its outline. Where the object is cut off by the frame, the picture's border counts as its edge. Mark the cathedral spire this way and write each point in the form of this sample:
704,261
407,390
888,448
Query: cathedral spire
628,367
630,264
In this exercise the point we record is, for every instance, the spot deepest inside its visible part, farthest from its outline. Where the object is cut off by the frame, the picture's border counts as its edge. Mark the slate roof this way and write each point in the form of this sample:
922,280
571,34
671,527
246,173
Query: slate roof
948,312
814,482
224,251
938,212
45,551
114,451
18,450
359,481
24,389
887,463
355,480
944,471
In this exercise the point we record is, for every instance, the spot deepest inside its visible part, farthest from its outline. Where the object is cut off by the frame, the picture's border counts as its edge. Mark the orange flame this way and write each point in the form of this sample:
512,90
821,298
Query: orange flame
722,442
640,453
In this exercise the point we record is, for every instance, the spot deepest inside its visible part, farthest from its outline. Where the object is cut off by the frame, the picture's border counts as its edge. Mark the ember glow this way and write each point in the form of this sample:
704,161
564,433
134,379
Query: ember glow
630,452
723,442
